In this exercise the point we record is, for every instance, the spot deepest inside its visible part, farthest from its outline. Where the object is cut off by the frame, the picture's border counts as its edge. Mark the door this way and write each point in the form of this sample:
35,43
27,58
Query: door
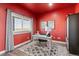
73,33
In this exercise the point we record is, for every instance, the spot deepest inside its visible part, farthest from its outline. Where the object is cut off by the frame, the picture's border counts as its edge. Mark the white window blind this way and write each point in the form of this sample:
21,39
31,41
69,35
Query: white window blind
17,24
22,25
27,25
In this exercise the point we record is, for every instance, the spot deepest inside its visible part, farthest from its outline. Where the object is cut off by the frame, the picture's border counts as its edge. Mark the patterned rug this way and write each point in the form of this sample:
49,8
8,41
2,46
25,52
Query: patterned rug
37,50
43,50
40,51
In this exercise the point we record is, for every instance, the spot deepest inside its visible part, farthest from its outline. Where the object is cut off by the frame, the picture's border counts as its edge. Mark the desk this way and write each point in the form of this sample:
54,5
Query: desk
43,37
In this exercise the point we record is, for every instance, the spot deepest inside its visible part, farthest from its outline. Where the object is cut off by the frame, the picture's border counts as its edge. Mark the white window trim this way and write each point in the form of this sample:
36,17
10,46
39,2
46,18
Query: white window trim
21,32
9,30
13,14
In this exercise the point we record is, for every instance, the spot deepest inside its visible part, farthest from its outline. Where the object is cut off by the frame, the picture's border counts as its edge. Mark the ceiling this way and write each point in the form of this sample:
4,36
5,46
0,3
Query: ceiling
44,7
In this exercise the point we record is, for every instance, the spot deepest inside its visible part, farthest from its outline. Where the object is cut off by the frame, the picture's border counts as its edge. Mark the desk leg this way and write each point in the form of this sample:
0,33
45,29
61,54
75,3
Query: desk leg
33,41
49,46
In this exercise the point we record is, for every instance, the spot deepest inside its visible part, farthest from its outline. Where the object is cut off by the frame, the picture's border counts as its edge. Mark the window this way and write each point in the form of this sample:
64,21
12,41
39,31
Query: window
22,25
27,25
17,24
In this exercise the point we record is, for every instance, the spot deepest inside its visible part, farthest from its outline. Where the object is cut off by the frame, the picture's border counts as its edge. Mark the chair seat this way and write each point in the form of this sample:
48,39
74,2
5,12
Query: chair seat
41,40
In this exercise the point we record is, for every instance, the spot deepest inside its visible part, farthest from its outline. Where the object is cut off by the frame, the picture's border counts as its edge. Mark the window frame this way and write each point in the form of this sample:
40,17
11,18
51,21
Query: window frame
14,15
14,24
30,25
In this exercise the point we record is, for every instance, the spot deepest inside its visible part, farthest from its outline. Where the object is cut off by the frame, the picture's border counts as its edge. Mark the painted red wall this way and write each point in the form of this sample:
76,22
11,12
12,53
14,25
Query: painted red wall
21,38
59,16
77,8
17,38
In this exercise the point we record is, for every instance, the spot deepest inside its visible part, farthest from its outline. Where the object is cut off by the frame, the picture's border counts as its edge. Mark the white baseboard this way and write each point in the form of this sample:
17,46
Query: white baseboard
28,42
2,52
59,42
22,43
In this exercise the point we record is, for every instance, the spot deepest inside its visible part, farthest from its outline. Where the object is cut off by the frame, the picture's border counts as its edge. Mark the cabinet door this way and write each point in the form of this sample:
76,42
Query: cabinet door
73,33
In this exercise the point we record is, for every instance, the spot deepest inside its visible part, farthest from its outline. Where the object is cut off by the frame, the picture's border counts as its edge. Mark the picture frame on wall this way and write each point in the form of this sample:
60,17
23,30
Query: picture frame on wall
43,25
47,25
50,24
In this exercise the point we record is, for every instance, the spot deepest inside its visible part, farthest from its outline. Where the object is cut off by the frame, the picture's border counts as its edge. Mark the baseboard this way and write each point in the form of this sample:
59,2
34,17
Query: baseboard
2,52
22,43
59,42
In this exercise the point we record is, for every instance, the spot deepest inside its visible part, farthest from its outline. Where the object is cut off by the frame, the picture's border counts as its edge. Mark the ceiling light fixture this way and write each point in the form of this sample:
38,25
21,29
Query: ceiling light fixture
50,4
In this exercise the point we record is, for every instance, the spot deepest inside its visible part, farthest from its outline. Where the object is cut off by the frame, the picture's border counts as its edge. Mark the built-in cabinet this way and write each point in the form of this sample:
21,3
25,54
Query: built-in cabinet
73,33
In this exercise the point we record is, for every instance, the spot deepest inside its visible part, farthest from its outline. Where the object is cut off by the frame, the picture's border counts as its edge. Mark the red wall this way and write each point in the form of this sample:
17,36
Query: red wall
21,38
17,38
77,8
60,15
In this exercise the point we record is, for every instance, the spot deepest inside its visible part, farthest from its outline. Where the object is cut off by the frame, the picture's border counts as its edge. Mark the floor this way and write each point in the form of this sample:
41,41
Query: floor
29,49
